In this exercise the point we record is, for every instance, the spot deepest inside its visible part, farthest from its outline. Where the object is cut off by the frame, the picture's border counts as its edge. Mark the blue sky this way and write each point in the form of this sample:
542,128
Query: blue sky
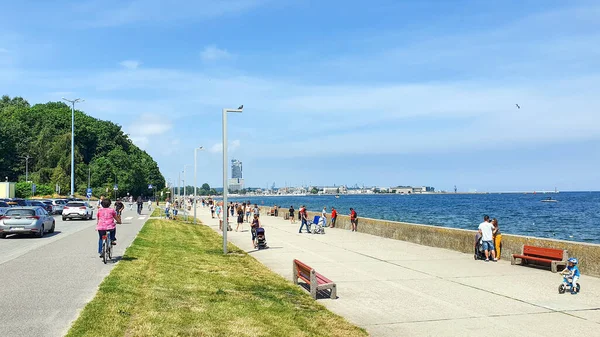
335,92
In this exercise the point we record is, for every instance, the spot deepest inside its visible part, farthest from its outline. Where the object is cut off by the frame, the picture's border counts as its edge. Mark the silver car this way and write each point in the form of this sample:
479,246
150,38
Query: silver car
26,220
58,205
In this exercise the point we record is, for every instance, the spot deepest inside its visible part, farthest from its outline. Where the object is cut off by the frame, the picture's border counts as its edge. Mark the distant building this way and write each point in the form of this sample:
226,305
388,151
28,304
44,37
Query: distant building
236,169
236,184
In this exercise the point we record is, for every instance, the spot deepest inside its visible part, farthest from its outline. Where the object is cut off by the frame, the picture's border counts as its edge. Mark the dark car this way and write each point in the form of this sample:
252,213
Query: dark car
17,202
35,203
4,206
48,206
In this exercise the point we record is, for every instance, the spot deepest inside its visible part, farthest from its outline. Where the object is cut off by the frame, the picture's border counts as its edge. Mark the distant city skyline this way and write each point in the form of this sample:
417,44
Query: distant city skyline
380,93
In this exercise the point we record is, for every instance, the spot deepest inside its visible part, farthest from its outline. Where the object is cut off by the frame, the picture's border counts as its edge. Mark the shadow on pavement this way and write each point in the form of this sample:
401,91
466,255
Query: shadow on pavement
23,236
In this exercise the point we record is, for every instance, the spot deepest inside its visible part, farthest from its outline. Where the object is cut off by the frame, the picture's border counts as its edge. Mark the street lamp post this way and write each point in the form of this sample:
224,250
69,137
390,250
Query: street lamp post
195,178
225,187
27,168
77,100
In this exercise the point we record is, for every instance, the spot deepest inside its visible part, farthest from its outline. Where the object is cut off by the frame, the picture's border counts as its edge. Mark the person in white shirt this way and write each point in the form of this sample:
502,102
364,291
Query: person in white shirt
486,230
324,215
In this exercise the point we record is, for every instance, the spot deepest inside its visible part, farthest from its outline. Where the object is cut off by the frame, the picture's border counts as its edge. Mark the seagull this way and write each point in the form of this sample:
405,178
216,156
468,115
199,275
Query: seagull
241,107
518,107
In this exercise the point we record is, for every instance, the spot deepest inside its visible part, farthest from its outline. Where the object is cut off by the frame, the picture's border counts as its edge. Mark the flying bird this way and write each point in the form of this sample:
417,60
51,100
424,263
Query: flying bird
241,107
518,107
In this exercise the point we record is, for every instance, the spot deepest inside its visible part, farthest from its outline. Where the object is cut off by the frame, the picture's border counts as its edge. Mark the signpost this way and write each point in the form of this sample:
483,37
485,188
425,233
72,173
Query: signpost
116,188
88,193
32,189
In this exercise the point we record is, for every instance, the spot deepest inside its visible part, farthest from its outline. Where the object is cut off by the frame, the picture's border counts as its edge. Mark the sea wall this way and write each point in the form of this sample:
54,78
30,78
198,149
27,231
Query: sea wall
463,240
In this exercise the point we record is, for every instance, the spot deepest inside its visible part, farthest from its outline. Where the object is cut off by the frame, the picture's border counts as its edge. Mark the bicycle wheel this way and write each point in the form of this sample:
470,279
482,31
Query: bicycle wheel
104,251
110,248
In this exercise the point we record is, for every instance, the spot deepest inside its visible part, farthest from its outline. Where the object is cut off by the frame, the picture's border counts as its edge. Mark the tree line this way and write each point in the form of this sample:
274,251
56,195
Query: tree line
42,133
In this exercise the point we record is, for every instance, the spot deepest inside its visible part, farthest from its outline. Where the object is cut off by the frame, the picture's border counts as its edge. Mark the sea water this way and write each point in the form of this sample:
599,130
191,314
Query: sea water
575,217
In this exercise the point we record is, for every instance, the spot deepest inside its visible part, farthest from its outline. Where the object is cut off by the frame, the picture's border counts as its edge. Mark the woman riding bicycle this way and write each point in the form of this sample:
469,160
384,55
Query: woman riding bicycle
107,220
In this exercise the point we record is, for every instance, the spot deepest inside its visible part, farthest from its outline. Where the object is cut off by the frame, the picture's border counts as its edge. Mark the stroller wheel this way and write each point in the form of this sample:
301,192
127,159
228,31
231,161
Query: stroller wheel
561,289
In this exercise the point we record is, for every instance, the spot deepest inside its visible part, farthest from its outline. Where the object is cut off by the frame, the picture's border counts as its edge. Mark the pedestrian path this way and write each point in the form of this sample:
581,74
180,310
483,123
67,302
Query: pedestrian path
397,288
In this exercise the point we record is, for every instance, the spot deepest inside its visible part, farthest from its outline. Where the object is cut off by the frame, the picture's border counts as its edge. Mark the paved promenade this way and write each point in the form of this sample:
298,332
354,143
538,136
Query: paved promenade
396,288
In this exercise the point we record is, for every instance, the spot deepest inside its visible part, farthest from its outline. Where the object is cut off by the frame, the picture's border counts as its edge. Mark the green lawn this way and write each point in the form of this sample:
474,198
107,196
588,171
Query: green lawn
157,211
175,281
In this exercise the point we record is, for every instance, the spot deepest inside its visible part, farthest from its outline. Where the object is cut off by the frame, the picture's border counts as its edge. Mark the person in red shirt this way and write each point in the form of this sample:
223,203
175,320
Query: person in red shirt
353,219
333,217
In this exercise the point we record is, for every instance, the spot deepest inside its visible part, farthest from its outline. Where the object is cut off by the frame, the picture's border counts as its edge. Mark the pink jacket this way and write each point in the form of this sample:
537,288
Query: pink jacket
106,220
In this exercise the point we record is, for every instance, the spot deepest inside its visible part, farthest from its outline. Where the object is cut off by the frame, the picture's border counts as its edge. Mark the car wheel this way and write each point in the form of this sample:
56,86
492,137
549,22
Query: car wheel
41,232
64,218
2,236
52,228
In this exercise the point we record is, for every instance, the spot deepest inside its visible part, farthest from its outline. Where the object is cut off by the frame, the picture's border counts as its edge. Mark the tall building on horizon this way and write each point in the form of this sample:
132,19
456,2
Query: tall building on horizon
236,169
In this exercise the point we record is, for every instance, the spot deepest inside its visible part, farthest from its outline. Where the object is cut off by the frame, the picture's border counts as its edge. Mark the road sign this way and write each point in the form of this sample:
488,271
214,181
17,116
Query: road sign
116,188
33,188
149,186
88,192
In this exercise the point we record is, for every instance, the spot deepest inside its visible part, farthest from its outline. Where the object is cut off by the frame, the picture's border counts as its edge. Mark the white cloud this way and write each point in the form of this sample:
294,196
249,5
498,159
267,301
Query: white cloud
130,64
212,53
145,131
218,147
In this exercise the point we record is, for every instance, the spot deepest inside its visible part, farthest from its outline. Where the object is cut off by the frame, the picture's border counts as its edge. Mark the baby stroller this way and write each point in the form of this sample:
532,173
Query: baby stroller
479,253
318,223
261,240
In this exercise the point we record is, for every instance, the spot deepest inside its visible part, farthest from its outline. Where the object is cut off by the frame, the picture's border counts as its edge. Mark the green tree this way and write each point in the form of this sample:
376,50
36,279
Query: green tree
314,190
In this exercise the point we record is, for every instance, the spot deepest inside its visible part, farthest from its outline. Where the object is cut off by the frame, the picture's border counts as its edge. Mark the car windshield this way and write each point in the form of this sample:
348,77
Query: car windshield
4,204
61,202
20,212
75,204
36,203
47,202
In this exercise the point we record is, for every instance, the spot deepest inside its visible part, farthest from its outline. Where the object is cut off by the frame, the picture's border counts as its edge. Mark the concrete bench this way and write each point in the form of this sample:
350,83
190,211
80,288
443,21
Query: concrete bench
555,257
315,280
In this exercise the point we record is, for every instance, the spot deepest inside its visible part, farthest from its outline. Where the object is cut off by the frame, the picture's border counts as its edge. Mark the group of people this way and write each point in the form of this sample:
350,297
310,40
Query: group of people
303,217
491,238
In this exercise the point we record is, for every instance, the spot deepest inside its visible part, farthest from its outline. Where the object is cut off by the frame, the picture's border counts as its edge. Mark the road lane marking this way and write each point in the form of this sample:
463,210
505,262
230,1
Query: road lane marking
142,218
129,218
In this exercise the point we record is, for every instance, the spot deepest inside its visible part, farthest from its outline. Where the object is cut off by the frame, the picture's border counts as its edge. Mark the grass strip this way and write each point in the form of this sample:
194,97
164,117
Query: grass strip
175,281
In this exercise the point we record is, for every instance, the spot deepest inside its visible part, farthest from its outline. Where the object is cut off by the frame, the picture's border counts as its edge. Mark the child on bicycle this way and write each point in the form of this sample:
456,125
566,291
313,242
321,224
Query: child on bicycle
107,220
572,273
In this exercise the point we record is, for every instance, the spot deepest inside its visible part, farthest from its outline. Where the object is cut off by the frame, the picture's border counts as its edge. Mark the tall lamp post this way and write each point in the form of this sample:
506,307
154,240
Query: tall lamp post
77,100
225,187
27,157
195,178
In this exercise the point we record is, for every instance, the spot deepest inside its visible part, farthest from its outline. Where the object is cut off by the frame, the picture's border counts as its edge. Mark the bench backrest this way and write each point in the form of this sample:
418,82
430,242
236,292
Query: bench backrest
316,219
549,253
303,270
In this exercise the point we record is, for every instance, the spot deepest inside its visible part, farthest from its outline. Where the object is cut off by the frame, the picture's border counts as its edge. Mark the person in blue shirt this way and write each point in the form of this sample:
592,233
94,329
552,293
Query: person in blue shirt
572,273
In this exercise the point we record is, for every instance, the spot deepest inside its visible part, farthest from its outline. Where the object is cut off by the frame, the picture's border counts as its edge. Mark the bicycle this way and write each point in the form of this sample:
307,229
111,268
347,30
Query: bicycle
106,247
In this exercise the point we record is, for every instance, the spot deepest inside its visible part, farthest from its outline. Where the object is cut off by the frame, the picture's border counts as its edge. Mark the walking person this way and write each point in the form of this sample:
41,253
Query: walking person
119,207
304,220
131,202
324,216
240,217
497,238
333,217
292,211
149,205
353,219
248,210
255,225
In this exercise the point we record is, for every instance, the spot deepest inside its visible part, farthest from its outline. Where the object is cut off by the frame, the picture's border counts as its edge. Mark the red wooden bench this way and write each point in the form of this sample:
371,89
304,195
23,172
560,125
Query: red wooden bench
315,280
556,257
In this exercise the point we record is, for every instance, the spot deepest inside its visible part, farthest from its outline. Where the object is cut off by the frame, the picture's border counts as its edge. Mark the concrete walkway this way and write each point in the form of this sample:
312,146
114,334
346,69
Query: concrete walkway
396,288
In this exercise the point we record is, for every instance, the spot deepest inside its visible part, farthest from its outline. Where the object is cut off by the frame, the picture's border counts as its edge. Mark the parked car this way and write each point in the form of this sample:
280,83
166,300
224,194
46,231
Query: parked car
77,209
26,220
58,205
17,202
4,206
48,206
38,203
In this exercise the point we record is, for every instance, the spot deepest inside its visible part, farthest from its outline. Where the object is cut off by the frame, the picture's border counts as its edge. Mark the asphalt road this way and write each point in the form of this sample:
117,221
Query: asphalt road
44,283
